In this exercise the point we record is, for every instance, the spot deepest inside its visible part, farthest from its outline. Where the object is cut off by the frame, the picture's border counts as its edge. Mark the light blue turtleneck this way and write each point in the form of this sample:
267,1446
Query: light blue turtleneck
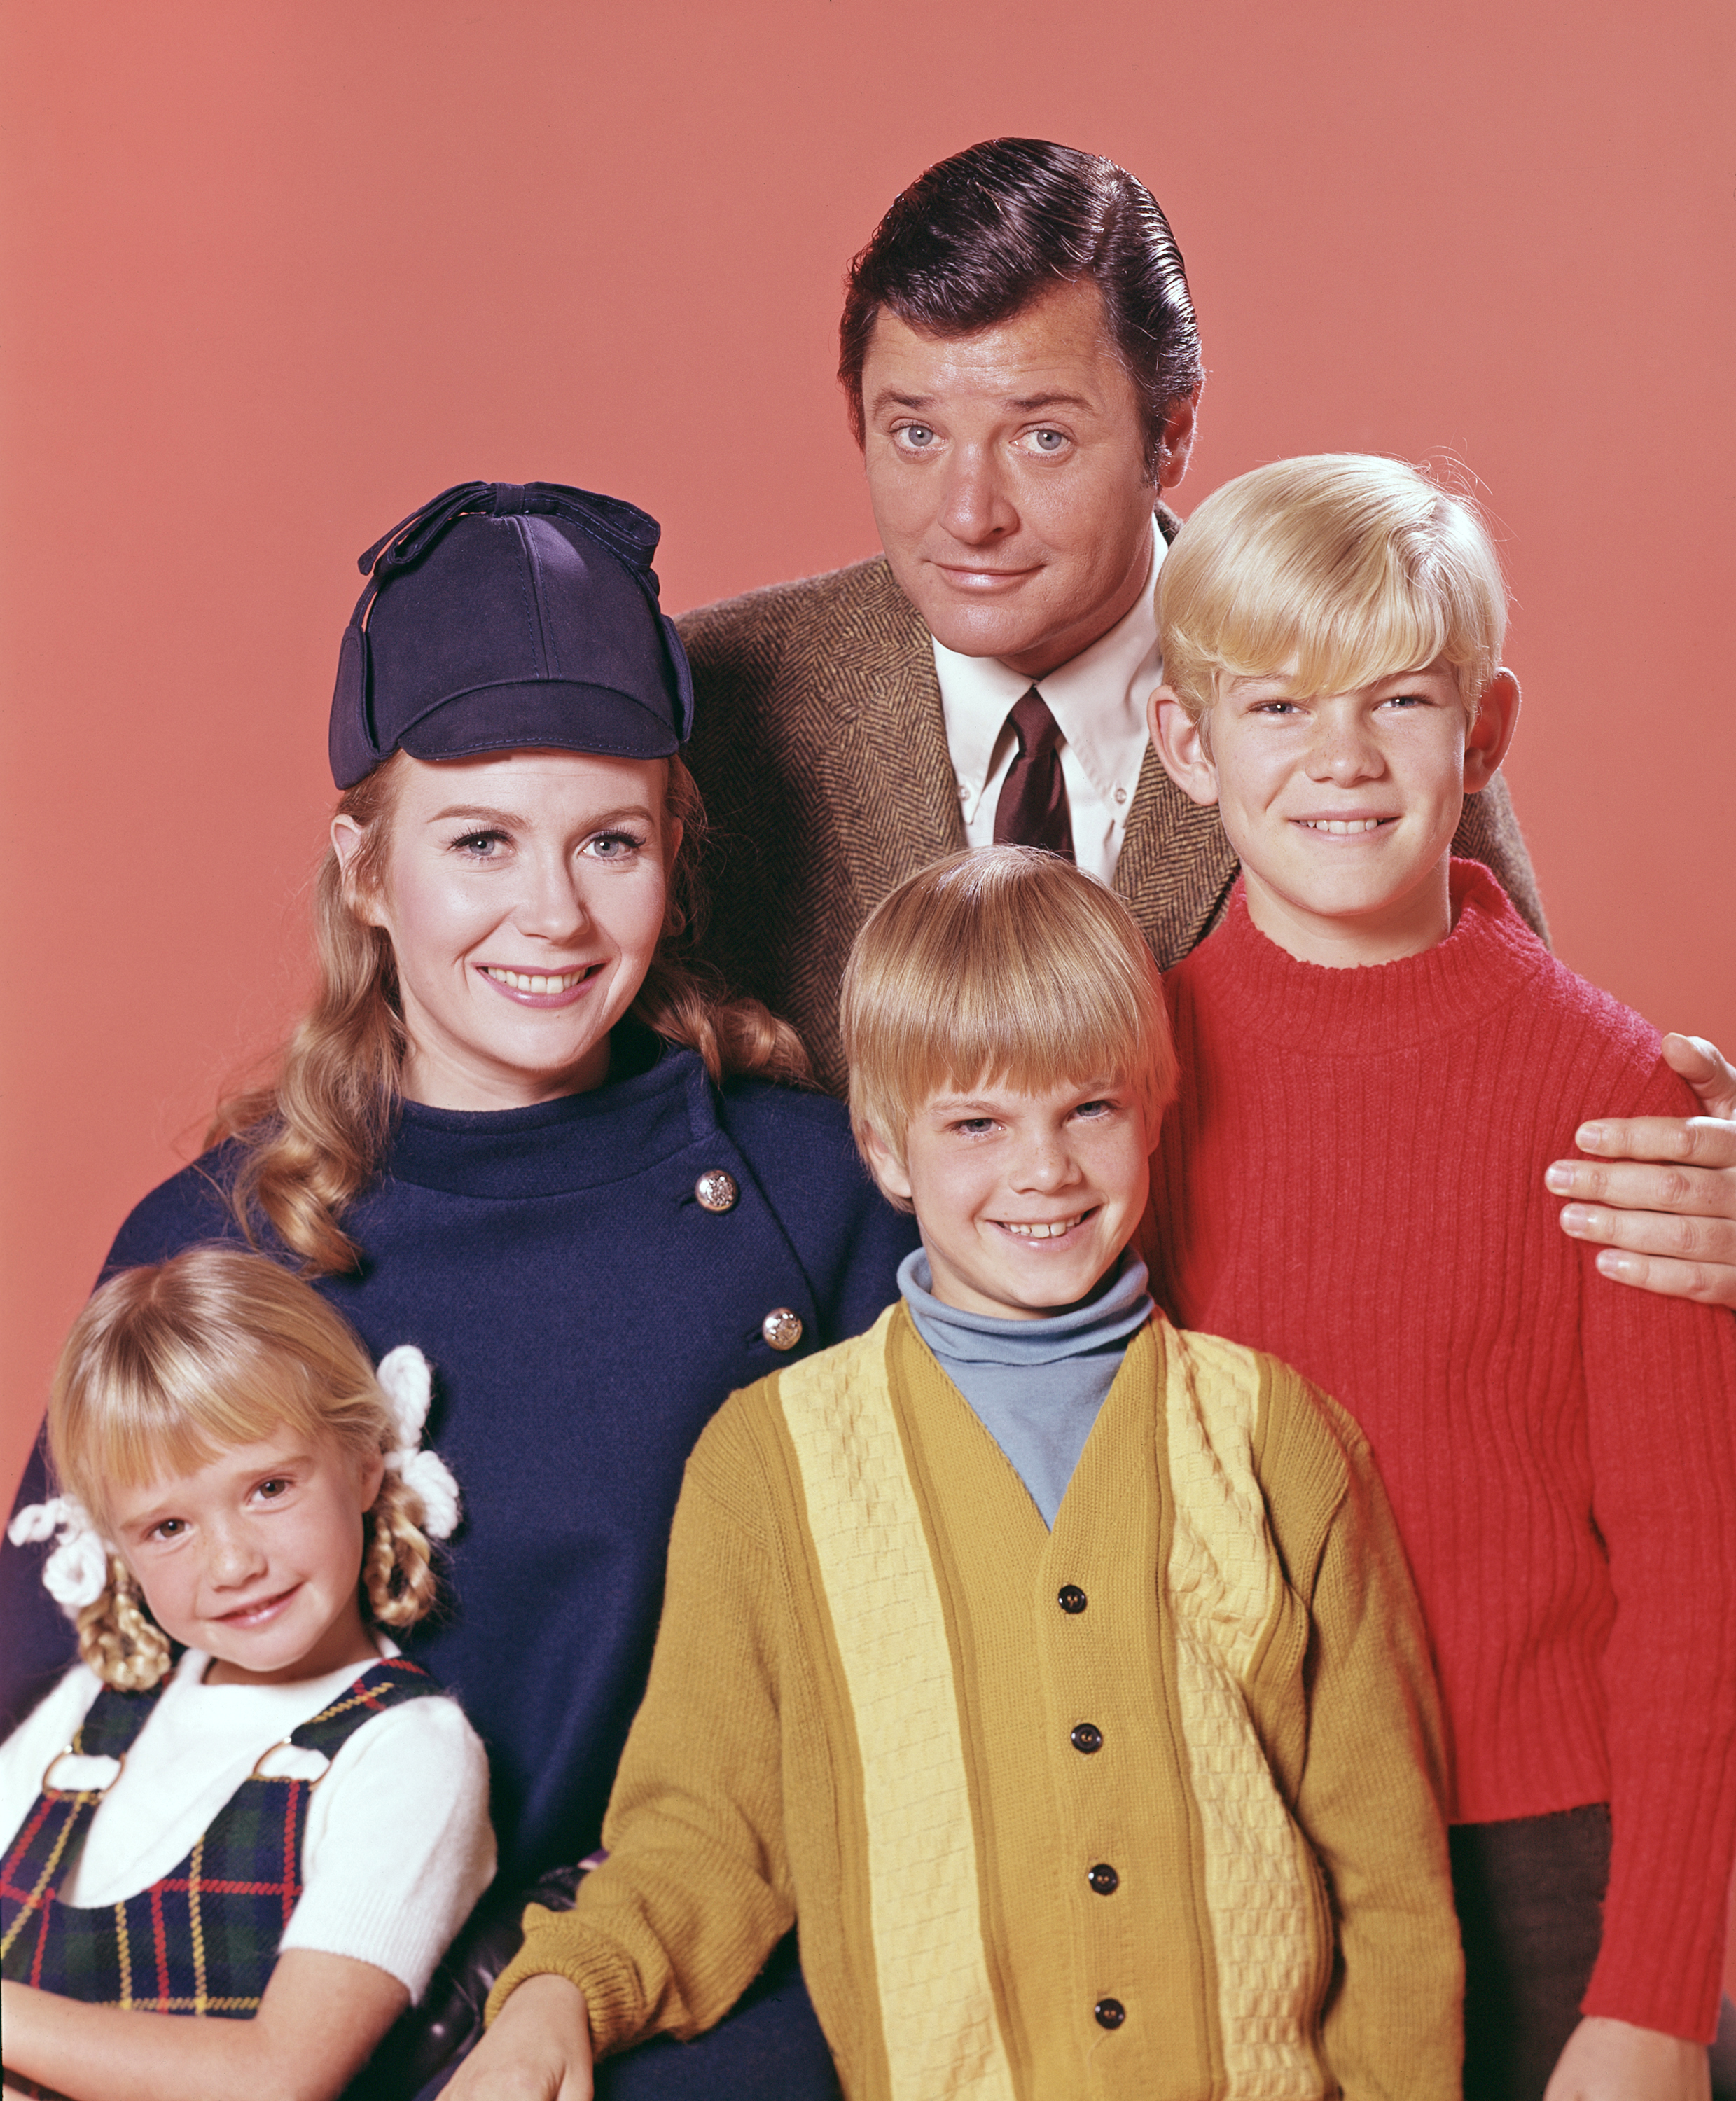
1037,1386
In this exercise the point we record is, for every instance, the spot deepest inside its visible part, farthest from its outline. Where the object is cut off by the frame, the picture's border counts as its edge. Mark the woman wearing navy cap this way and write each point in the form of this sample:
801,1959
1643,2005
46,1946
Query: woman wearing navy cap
515,1130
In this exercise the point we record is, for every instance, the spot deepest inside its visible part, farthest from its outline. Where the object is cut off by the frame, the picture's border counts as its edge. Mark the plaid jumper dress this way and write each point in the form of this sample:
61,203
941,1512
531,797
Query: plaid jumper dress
204,1939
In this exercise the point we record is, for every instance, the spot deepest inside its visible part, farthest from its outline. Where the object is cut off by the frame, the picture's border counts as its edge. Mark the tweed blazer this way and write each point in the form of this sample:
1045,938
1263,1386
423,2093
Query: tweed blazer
820,748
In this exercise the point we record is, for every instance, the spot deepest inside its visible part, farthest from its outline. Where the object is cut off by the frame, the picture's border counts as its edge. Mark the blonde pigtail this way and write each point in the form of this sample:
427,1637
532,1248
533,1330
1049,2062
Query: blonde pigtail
398,1565
117,1637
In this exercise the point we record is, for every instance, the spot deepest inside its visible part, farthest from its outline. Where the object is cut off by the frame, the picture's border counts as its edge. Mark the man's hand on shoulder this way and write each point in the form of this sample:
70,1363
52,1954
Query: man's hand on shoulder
537,2049
1668,1226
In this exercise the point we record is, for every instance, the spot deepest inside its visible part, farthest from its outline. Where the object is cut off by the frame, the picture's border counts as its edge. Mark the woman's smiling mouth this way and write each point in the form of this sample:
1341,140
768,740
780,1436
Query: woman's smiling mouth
540,988
537,981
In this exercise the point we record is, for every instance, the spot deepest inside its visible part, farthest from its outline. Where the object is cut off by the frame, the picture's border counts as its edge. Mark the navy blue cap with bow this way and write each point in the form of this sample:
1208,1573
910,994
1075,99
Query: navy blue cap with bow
503,614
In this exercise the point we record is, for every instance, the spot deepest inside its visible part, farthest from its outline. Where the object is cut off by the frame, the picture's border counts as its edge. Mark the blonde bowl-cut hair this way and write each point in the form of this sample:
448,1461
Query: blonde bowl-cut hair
1336,570
312,1138
169,1365
1003,968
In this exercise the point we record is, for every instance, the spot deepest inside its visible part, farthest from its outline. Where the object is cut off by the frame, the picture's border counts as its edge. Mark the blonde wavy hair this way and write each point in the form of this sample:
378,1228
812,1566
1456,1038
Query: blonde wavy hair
1337,569
169,1365
314,1136
1002,967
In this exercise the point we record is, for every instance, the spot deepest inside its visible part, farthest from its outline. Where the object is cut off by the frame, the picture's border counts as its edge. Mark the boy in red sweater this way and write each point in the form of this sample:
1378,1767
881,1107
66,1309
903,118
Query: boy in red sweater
1371,1023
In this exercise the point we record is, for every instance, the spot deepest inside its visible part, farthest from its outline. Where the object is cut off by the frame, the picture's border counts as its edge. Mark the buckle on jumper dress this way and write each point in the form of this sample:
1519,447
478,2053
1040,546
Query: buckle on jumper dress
307,1776
102,1759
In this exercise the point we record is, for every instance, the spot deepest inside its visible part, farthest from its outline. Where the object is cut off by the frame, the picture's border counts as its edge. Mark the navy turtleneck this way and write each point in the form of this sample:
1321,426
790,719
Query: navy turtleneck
1037,1386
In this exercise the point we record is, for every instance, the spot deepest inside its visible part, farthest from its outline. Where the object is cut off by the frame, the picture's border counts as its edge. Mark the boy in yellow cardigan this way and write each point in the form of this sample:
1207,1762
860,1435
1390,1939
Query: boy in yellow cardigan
1059,1672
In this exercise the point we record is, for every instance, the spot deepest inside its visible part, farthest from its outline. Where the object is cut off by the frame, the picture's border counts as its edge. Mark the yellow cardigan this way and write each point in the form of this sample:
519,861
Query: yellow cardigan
886,1699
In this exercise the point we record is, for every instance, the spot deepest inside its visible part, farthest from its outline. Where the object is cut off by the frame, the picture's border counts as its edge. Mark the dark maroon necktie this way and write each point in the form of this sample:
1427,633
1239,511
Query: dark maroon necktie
1032,810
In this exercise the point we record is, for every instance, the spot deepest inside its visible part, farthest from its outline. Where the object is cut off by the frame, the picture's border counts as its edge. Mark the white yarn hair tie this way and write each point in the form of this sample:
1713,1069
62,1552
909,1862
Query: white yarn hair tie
408,1385
76,1573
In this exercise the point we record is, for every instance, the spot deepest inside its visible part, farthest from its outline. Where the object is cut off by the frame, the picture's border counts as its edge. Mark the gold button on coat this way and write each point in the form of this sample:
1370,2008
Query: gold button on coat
781,1328
716,1190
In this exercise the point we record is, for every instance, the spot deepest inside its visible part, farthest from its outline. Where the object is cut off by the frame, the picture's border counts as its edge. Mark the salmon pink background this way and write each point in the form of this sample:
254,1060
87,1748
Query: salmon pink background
275,271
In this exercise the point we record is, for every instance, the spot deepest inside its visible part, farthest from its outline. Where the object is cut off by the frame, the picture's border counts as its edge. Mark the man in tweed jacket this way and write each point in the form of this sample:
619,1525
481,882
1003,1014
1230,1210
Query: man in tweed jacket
1030,301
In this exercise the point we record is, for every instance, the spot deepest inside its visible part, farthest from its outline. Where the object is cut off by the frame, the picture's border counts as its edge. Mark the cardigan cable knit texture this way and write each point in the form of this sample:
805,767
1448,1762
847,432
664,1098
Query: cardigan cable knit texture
937,2018
1353,1179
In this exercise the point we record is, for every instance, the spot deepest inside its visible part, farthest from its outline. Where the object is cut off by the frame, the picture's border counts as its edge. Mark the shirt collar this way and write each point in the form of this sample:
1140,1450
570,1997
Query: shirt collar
1097,698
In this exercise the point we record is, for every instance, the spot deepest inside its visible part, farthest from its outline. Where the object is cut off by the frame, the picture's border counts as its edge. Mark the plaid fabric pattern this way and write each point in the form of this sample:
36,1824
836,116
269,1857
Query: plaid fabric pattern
820,747
204,1939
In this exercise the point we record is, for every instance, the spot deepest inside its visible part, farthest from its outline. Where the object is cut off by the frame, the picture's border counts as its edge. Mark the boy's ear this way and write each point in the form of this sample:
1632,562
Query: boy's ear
1180,743
887,1169
1486,740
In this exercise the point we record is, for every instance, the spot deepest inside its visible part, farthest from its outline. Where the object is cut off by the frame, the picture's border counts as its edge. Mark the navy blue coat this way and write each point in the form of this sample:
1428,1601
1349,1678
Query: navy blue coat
585,1317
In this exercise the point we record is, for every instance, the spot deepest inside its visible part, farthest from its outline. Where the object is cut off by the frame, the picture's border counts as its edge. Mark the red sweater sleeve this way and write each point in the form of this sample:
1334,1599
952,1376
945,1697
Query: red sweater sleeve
1660,1377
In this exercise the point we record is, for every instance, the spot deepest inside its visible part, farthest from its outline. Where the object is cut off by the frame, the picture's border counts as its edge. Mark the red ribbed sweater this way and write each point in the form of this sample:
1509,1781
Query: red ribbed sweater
1353,1180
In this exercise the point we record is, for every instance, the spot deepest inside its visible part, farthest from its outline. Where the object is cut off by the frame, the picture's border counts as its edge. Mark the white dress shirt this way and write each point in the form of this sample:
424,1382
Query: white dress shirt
1098,699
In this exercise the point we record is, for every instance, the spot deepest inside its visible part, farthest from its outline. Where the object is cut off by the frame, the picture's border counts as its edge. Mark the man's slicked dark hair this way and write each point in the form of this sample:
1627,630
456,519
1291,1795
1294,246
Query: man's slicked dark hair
980,236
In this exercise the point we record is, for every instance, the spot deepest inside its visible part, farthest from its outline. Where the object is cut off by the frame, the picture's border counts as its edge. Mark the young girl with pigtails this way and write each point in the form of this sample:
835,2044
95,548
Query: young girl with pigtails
242,1802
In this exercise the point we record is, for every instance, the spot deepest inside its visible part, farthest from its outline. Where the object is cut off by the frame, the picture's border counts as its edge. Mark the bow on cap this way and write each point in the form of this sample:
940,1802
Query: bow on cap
630,535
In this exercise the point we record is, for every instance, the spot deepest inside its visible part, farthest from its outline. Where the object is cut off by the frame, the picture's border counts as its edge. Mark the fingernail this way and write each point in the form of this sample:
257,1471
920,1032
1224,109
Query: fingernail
1612,1262
1576,1218
1559,1178
1588,1137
